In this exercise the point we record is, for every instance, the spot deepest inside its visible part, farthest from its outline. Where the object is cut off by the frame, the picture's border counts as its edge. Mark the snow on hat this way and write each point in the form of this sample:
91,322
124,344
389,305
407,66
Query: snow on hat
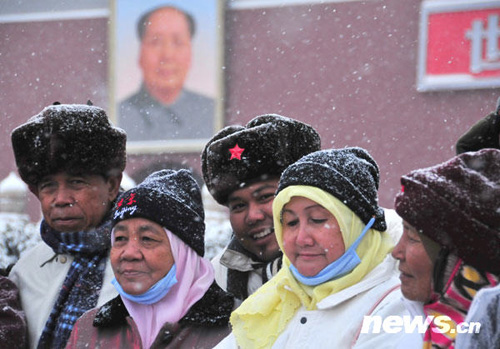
483,134
349,174
171,199
457,204
68,137
239,155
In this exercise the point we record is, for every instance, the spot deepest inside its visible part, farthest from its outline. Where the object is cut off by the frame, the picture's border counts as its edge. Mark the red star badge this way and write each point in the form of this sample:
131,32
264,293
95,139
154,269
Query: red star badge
236,152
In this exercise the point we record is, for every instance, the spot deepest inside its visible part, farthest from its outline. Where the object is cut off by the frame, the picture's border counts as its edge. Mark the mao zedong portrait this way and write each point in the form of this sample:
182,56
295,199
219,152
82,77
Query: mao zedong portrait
163,109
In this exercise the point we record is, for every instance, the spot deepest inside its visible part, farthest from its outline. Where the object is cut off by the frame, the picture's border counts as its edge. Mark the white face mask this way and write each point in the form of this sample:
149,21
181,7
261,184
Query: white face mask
155,293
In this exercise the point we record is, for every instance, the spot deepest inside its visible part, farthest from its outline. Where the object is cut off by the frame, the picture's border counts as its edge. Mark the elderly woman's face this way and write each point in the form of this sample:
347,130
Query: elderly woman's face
140,254
311,236
415,265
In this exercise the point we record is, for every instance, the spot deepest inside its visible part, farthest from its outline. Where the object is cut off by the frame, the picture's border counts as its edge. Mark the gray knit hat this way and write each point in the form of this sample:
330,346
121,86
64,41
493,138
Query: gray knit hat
74,138
349,174
239,155
170,198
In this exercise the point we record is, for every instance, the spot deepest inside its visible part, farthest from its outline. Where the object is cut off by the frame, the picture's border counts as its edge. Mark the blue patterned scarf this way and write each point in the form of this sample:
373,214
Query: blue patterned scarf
81,288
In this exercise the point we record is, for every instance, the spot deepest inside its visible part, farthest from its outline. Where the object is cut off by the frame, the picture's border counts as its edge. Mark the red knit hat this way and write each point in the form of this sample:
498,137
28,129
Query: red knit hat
457,204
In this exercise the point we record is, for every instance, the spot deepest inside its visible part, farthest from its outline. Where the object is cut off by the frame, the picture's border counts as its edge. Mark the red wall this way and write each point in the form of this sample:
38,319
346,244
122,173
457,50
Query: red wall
44,62
348,69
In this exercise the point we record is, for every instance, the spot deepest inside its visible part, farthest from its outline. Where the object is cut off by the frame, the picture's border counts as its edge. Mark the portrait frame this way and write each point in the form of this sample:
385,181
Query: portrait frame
205,76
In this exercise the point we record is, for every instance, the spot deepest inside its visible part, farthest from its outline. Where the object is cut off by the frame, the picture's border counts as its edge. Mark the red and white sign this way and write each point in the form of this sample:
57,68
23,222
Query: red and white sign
459,45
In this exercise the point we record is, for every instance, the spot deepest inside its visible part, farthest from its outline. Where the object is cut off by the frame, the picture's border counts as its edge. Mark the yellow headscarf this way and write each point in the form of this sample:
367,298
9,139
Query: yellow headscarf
263,316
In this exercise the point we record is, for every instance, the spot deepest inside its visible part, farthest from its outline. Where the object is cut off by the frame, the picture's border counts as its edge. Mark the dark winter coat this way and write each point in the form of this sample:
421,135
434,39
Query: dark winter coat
111,326
13,331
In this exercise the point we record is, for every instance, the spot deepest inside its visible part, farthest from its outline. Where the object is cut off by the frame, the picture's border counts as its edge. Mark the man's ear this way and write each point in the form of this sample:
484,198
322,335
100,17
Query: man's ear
114,186
33,189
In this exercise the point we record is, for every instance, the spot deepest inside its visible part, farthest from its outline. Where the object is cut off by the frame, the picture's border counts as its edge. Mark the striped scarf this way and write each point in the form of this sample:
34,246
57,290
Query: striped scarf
81,288
238,271
462,286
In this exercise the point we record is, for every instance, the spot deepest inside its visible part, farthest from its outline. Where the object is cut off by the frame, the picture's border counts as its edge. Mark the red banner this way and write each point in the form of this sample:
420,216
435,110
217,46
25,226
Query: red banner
459,45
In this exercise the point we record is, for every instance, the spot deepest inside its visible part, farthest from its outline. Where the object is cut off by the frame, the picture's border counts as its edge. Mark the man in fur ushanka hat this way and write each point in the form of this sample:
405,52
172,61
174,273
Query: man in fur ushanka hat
72,159
241,167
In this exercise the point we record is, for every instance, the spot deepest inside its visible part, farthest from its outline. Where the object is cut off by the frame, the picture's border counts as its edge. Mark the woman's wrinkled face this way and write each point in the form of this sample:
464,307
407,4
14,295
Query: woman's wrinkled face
311,236
140,254
415,265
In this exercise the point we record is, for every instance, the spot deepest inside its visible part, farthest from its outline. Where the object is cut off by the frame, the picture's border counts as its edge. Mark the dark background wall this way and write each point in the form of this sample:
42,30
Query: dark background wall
348,69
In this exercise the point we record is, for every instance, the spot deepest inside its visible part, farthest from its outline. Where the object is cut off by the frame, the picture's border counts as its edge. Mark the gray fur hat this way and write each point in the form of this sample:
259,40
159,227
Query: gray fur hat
240,155
74,138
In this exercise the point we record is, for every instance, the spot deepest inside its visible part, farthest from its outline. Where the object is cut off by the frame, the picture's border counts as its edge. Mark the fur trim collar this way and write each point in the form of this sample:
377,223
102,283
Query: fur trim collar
213,309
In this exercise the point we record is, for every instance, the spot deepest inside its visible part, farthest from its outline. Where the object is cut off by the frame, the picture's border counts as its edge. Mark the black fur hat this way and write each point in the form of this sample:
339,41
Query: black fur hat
349,174
457,204
483,134
74,138
239,155
171,199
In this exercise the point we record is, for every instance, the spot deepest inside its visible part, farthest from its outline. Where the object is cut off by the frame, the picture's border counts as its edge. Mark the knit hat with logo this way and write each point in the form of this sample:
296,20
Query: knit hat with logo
239,155
171,199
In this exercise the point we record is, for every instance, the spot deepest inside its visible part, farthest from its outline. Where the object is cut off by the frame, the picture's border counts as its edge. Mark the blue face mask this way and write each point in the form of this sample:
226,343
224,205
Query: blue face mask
155,293
345,264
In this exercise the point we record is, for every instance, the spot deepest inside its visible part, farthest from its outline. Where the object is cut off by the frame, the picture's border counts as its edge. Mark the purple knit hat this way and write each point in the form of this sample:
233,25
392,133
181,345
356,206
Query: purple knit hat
457,204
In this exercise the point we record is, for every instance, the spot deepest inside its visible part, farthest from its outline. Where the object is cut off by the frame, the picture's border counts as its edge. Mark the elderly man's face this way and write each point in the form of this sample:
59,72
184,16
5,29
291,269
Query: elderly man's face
140,254
72,203
165,56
